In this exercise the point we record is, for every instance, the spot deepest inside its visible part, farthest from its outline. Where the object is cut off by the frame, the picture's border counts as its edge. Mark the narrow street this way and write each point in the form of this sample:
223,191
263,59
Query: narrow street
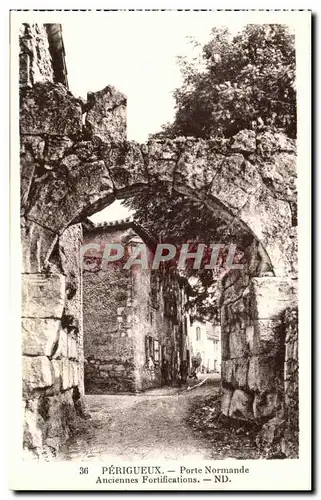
150,425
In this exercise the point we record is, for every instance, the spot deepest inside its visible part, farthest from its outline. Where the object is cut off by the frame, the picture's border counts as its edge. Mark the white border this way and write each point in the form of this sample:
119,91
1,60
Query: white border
285,474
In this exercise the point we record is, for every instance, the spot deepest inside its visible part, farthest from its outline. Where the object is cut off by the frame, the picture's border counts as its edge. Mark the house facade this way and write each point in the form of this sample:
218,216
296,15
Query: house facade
134,324
204,343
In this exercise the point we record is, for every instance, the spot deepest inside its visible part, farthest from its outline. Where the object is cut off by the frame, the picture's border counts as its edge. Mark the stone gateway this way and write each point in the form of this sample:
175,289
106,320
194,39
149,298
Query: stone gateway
75,160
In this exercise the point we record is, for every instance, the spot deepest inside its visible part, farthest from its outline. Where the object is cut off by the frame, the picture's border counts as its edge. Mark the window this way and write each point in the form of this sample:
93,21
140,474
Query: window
156,351
198,333
149,347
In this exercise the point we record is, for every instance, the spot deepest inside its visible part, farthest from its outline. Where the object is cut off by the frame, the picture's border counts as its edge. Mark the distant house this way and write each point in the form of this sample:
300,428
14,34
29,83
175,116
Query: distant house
204,342
134,325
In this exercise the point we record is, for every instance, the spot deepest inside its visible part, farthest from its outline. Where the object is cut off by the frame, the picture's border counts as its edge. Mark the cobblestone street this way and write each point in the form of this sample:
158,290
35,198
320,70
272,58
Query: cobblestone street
145,426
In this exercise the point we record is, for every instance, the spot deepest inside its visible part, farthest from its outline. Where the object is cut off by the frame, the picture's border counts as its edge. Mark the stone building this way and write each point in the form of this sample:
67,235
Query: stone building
204,341
134,318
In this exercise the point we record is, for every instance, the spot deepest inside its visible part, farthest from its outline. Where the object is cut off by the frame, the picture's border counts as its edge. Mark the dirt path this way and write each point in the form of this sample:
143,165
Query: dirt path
144,426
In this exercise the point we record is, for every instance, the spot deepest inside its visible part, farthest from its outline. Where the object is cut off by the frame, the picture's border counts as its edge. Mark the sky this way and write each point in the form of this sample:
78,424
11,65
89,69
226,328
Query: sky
135,52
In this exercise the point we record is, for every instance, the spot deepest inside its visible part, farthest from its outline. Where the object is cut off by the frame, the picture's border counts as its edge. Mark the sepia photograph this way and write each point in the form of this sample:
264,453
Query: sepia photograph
158,163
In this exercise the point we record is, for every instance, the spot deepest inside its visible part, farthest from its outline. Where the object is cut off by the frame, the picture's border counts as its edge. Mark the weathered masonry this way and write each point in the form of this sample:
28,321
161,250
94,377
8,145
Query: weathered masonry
133,318
75,160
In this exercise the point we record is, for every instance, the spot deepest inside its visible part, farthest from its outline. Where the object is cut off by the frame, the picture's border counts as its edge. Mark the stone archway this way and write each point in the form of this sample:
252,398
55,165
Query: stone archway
70,170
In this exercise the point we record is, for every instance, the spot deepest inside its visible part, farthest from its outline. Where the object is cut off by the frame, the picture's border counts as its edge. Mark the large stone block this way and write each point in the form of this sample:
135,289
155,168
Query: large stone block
37,244
240,370
49,108
54,204
284,246
271,296
279,173
43,296
267,336
48,193
227,368
238,342
270,437
92,190
270,219
241,405
196,168
236,183
160,159
62,349
69,252
269,142
125,164
34,48
266,405
265,373
60,418
39,336
66,374
37,373
106,116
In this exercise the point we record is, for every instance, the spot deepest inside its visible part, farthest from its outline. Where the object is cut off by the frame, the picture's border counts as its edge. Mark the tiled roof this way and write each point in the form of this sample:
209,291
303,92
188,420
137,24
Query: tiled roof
120,223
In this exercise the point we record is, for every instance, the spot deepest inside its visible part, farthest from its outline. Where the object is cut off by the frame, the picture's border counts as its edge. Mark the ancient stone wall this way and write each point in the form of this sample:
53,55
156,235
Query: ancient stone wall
52,348
52,332
259,342
279,436
34,58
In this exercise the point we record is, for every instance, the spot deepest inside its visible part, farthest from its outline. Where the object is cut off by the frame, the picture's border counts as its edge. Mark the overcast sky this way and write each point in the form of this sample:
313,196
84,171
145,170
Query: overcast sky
136,53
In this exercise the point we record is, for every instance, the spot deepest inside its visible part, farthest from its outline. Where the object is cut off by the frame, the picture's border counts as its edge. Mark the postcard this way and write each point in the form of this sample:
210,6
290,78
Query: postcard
160,250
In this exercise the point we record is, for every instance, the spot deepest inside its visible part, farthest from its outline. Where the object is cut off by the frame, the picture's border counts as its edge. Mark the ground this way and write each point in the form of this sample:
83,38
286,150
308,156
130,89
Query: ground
152,425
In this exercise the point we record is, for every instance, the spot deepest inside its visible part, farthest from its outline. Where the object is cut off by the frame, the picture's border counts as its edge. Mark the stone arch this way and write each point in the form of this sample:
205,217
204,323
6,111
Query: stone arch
69,171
